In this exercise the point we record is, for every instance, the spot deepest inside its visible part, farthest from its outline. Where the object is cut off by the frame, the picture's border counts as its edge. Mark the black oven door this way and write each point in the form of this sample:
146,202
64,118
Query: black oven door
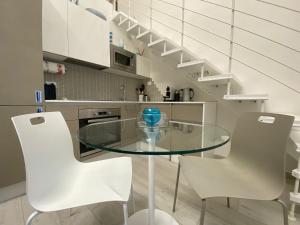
108,135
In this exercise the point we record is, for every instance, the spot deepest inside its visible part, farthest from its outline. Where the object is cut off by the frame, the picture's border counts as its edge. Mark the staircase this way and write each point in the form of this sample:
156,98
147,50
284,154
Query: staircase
209,73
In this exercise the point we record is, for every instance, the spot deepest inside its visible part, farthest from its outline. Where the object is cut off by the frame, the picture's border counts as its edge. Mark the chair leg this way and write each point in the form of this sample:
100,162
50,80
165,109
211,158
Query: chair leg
228,202
31,217
203,207
125,212
285,211
133,202
176,188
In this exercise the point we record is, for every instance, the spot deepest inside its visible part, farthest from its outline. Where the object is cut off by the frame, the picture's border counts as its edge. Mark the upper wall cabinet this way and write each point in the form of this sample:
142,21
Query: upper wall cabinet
88,35
55,35
78,32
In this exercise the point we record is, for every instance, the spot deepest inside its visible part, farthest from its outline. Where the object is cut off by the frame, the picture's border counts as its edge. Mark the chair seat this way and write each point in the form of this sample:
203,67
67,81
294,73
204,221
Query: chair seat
226,178
89,183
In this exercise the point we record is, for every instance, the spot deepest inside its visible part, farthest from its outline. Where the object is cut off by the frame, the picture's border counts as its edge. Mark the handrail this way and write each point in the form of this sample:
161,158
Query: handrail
203,43
240,11
279,6
207,31
222,37
265,74
270,21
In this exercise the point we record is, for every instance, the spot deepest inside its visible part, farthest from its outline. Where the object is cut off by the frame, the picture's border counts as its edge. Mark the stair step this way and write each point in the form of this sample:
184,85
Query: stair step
250,97
123,21
170,52
191,63
216,78
295,197
296,173
143,34
132,27
151,44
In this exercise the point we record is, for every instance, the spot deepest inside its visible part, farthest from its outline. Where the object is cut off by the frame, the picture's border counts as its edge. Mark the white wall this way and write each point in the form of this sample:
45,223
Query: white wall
266,49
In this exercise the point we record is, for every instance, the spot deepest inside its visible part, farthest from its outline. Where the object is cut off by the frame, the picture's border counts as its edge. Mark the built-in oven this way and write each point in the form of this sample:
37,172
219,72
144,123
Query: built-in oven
110,133
122,59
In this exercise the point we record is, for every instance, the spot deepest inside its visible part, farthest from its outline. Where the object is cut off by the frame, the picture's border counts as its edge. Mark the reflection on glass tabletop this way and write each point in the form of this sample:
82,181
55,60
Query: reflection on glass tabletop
173,138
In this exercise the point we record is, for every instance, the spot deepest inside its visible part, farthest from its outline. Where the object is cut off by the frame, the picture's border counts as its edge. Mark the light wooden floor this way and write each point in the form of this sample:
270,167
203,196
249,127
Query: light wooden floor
15,212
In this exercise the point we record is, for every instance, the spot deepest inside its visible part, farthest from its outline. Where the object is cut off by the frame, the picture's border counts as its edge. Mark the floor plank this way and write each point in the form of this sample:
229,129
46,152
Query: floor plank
16,211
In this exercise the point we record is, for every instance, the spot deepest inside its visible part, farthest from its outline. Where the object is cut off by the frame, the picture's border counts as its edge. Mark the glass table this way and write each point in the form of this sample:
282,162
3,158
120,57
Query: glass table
173,138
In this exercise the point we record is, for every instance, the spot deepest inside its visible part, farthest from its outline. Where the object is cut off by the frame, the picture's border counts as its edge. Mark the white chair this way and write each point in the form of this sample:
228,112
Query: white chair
55,179
254,169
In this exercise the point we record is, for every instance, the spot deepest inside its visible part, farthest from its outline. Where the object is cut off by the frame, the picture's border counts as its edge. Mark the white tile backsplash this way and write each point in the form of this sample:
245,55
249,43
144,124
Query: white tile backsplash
84,83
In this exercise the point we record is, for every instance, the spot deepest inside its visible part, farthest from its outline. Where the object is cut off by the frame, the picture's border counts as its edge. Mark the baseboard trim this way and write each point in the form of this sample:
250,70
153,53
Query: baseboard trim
12,191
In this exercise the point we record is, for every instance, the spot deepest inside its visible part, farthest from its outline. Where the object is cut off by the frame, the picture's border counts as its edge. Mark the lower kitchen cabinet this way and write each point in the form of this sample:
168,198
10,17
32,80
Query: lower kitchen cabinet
12,168
166,108
74,129
69,112
130,111
187,112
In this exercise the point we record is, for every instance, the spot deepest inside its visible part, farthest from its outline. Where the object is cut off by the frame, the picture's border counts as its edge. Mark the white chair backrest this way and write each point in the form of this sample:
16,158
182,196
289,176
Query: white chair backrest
259,141
48,151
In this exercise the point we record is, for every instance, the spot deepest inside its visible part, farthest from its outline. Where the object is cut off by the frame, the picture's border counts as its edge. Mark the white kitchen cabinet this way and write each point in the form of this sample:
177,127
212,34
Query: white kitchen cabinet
143,66
88,36
55,31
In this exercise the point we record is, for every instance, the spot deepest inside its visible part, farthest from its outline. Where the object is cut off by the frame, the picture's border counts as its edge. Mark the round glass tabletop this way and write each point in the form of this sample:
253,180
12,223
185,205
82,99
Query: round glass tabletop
126,136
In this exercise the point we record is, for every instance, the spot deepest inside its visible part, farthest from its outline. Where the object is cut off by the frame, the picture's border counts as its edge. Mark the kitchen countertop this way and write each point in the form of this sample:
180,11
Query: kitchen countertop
120,102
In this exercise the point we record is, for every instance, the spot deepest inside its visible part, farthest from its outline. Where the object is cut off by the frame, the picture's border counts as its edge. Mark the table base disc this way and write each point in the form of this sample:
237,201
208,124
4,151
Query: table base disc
161,218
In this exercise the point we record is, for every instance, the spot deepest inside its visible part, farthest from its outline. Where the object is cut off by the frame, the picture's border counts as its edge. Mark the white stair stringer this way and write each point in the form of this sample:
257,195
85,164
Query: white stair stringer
218,77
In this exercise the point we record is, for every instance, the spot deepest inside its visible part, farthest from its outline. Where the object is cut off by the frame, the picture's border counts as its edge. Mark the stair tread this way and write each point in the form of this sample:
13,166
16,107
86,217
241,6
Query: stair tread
296,173
143,34
249,97
191,63
295,197
132,27
156,42
172,51
121,14
217,77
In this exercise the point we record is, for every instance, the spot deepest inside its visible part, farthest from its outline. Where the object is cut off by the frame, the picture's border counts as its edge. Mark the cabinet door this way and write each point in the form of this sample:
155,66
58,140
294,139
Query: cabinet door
166,108
88,36
55,27
20,52
187,113
12,168
131,111
74,129
69,112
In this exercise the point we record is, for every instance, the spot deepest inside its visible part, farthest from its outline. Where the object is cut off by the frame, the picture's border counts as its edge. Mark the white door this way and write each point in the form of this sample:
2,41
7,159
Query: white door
88,36
55,31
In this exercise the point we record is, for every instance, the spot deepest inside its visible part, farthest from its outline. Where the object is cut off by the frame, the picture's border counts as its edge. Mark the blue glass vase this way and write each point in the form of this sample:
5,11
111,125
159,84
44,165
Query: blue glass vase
151,116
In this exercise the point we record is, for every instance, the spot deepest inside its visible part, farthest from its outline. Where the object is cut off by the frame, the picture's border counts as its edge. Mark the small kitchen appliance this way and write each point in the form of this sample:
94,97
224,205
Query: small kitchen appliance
188,94
170,94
